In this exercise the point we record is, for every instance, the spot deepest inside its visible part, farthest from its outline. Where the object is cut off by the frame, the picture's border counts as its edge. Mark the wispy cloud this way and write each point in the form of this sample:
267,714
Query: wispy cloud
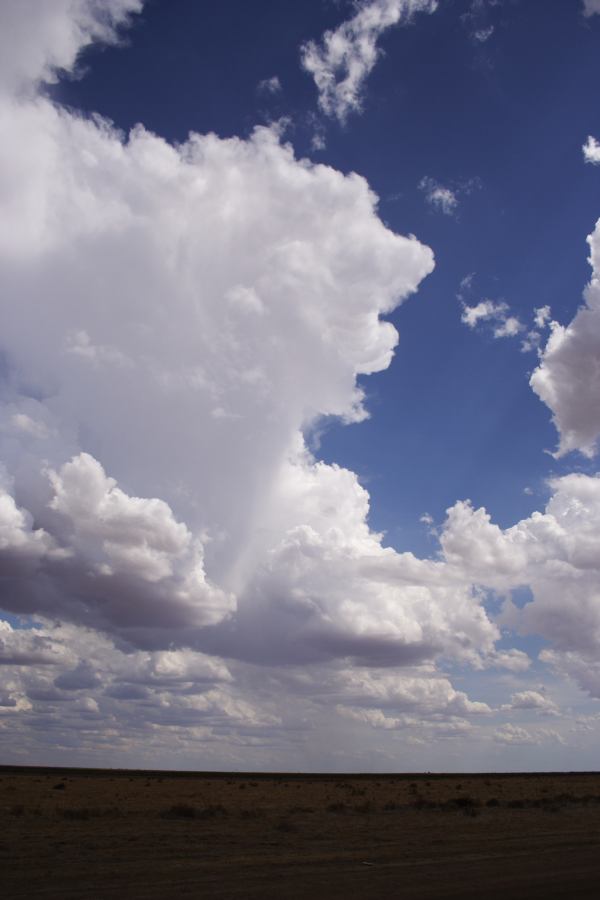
341,61
591,7
269,85
446,198
441,198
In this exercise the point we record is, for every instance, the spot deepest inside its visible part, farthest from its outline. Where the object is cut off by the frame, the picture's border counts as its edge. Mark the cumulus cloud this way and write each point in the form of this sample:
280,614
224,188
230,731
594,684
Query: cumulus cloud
513,734
39,40
591,151
189,328
496,313
555,553
567,379
341,62
532,700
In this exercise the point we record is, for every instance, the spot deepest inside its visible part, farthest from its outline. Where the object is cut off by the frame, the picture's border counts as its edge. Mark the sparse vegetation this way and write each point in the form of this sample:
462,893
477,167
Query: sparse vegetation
197,824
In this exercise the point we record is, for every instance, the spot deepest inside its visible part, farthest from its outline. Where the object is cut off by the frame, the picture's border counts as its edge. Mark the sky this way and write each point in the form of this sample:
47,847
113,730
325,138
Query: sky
299,384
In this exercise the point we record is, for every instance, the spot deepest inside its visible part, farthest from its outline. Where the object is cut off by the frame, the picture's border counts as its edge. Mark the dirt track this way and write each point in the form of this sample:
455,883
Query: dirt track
80,834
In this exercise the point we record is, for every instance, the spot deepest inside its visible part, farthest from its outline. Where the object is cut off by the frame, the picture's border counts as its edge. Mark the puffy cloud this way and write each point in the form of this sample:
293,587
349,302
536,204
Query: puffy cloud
567,379
345,56
327,588
504,324
425,693
513,734
38,40
197,308
73,688
554,552
532,700
591,151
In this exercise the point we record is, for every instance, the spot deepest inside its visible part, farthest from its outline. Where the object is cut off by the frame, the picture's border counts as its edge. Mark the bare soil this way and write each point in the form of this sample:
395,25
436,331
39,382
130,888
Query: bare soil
70,833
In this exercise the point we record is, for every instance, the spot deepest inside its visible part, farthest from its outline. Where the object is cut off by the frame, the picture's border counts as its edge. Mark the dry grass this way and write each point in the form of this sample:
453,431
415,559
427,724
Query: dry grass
152,835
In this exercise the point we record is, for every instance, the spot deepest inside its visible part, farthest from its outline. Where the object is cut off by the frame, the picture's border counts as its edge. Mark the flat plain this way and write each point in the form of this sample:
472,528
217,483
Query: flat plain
79,833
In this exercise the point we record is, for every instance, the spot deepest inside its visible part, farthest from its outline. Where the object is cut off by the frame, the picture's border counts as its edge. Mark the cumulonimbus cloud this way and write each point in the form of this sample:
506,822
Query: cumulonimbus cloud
197,308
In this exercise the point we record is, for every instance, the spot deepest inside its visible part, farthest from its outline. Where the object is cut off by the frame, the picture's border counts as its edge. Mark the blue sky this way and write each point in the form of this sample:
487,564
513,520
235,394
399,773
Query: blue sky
193,491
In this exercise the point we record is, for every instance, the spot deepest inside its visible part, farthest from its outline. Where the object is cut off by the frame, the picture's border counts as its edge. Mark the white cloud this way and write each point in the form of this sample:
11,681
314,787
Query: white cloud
446,200
270,85
345,56
542,316
567,379
442,198
508,327
504,324
481,35
554,552
591,7
532,700
591,151
38,40
513,734
225,296
197,309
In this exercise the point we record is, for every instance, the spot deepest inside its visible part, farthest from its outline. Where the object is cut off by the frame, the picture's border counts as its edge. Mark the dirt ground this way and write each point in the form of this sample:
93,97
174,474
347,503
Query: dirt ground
87,833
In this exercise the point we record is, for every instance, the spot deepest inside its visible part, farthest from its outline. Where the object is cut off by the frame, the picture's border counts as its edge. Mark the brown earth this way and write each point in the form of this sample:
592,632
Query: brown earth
69,833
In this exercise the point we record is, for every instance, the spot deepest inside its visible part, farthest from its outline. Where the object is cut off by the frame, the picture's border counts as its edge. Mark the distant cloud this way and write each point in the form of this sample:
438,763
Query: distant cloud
442,198
591,7
342,60
481,35
532,700
270,85
513,734
476,21
591,151
446,198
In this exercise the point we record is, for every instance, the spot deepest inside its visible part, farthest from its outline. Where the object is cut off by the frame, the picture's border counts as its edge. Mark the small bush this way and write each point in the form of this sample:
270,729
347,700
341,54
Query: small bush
337,808
249,814
81,814
364,808
179,811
